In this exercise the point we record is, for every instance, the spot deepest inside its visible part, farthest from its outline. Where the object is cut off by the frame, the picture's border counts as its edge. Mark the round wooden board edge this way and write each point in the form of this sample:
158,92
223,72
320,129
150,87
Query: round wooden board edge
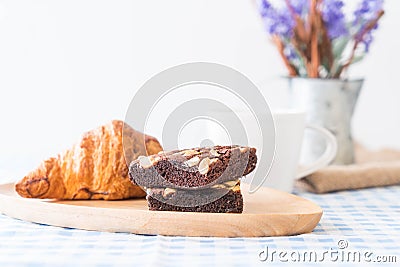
308,220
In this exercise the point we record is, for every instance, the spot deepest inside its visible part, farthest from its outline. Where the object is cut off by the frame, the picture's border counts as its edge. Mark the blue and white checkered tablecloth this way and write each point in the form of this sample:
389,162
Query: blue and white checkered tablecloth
357,226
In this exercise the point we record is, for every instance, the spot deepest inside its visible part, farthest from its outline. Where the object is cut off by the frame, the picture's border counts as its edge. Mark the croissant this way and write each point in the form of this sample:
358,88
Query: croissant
95,168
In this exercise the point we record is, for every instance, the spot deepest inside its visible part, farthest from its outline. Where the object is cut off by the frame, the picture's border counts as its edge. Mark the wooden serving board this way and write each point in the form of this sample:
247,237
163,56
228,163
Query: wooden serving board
267,212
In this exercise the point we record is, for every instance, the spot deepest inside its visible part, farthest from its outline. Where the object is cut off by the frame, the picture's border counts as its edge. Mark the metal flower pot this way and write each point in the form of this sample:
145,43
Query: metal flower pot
329,103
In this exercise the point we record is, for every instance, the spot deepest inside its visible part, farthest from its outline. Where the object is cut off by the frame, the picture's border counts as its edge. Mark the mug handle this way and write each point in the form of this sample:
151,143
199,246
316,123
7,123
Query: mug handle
326,157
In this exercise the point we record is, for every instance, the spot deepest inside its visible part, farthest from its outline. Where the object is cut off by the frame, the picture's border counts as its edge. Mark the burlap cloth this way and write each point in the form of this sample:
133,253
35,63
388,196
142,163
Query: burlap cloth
372,169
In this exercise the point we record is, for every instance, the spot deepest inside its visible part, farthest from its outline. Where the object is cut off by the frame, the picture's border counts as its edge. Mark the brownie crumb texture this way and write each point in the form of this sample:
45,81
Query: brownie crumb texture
232,202
191,198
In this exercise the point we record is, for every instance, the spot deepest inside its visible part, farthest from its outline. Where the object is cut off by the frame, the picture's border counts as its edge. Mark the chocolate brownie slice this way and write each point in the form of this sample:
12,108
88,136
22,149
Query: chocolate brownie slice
193,168
192,198
231,202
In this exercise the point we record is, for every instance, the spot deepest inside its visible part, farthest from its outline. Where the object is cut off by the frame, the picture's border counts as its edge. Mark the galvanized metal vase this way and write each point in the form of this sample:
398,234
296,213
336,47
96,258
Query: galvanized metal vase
329,103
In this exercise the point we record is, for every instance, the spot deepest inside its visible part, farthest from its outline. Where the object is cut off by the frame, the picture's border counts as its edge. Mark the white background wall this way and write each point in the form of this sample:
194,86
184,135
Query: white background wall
68,66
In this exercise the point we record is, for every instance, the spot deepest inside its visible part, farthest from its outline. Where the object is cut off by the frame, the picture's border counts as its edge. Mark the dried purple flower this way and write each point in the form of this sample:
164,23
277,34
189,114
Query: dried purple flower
367,11
300,7
313,34
334,18
367,40
276,21
290,53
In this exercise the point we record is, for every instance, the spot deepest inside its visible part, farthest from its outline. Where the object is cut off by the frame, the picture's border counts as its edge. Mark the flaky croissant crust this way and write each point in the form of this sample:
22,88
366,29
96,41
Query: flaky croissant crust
95,168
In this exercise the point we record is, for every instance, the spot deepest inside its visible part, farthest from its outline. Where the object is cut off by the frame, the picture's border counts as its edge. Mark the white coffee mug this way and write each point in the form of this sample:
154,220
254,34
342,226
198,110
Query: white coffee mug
289,131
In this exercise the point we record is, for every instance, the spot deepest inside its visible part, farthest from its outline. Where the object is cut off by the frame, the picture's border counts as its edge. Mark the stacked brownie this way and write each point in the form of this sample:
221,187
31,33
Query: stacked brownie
197,180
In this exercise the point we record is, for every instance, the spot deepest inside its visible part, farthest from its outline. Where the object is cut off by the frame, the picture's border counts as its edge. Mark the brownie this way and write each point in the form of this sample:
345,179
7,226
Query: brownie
192,198
193,168
231,202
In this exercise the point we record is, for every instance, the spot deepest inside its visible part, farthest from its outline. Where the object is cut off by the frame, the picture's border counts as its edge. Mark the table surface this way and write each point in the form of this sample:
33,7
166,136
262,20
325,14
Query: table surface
361,225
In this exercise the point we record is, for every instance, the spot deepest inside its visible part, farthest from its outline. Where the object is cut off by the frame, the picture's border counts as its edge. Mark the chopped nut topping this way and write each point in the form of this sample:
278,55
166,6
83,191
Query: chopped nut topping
189,152
213,160
231,183
204,166
144,162
243,149
168,192
226,185
217,186
192,162
214,153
